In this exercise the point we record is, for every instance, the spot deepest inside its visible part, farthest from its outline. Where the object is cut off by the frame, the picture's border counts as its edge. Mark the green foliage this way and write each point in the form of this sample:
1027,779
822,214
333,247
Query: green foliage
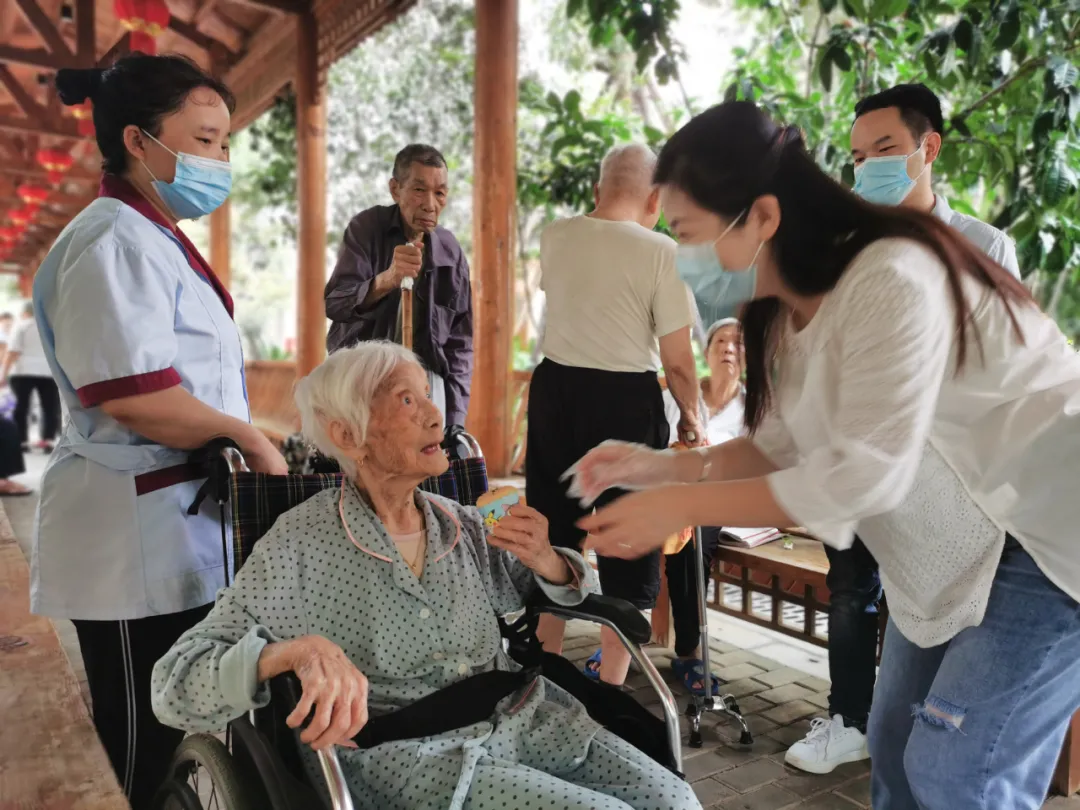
1006,70
271,181
645,25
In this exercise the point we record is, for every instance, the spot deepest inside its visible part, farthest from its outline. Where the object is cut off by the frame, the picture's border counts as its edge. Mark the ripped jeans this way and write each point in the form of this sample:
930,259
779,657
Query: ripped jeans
977,723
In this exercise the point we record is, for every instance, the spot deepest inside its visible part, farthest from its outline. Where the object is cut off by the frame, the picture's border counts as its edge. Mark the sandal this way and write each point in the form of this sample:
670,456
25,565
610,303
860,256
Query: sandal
592,667
691,671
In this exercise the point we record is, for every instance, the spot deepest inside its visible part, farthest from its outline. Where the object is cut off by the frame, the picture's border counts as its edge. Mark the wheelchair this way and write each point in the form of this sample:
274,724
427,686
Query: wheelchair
258,764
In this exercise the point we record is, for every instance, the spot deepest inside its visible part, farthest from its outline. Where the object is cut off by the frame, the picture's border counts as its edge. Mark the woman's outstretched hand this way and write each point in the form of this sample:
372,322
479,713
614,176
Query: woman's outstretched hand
620,465
332,685
523,532
635,524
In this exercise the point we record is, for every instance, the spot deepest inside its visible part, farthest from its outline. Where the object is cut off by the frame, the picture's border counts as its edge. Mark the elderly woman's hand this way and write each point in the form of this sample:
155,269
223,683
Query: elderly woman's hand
523,532
336,689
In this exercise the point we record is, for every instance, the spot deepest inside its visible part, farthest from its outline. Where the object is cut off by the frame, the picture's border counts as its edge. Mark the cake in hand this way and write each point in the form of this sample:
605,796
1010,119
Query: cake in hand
494,504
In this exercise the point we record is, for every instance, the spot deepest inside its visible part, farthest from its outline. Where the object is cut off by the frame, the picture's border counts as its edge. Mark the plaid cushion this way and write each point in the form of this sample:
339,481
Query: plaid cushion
258,499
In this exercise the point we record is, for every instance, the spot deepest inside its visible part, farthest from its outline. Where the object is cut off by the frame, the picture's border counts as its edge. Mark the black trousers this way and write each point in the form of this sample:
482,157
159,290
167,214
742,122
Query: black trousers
22,387
119,656
683,592
855,595
571,411
11,457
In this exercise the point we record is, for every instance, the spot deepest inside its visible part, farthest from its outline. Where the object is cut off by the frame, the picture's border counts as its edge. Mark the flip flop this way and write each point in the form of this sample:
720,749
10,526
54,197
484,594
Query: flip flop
592,667
691,671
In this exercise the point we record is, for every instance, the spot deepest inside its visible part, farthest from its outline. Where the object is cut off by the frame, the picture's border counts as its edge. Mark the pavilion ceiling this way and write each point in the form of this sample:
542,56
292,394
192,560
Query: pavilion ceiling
250,43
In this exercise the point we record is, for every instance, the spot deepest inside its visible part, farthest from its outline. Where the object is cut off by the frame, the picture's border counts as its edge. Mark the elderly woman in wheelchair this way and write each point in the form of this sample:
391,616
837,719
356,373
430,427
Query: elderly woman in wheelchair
378,595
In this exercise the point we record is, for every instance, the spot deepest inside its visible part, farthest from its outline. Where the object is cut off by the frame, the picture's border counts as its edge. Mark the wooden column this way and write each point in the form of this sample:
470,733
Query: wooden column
494,179
220,239
311,191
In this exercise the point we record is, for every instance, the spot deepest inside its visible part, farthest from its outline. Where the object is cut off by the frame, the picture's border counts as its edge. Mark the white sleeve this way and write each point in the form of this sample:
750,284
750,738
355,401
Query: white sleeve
18,339
112,322
892,335
1003,251
774,440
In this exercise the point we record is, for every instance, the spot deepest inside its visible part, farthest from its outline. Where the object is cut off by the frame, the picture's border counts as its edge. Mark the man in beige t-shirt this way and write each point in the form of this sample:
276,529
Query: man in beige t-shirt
616,312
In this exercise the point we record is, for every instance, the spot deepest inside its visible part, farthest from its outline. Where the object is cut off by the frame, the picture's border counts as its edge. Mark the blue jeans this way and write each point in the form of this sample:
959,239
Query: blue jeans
977,723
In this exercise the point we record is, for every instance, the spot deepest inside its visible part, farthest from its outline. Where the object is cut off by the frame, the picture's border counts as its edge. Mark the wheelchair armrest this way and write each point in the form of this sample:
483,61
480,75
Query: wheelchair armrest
600,609
285,691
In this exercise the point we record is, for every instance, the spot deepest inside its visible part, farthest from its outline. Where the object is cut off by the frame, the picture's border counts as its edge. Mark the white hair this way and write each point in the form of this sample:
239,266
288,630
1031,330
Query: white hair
342,389
627,170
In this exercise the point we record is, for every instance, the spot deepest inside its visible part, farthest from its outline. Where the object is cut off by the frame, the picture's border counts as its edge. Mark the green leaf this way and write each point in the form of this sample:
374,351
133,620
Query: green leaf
1073,104
732,93
1056,181
847,175
825,70
572,103
554,101
1061,72
826,5
963,34
840,57
856,8
1041,129
1009,31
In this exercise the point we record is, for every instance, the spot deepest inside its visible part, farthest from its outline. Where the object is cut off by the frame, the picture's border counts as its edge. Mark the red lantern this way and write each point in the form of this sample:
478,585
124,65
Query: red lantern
22,216
55,162
11,233
84,114
145,19
32,195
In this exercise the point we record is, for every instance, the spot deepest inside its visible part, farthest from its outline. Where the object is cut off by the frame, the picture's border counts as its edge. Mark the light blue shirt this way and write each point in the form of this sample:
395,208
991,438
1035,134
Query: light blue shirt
122,312
992,241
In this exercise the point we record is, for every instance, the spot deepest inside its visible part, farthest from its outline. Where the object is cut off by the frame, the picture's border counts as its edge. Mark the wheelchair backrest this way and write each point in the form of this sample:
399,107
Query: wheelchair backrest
258,500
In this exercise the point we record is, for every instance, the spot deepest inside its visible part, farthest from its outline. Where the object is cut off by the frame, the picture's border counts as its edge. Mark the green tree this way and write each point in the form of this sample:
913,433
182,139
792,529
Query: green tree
1006,71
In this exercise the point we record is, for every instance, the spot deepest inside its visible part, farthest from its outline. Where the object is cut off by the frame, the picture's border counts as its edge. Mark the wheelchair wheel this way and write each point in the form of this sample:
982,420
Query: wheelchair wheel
204,776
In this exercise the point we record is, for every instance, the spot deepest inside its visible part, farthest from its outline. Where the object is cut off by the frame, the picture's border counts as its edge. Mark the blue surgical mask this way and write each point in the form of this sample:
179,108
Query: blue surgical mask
200,186
885,180
719,293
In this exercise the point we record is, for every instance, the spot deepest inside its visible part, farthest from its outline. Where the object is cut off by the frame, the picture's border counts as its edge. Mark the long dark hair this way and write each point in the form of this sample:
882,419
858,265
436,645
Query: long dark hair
732,154
136,90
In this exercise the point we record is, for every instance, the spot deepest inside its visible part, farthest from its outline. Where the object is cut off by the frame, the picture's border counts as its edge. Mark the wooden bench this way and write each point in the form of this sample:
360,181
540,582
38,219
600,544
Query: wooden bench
796,576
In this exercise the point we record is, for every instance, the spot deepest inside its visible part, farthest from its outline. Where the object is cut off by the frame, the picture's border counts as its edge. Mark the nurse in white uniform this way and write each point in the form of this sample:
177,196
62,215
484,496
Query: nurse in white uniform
139,335
902,384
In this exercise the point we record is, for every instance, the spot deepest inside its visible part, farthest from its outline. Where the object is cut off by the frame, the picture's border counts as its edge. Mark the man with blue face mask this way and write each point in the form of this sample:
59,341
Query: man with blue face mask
896,137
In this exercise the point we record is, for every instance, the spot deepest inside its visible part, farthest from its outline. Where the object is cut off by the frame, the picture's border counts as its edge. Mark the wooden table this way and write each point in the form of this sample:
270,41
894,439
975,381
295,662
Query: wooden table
50,757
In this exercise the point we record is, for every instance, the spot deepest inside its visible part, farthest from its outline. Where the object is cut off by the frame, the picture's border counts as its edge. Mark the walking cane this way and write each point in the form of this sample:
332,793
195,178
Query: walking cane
407,305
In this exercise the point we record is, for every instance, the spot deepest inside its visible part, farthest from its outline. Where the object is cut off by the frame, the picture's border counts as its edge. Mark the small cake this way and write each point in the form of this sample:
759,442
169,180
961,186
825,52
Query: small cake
494,504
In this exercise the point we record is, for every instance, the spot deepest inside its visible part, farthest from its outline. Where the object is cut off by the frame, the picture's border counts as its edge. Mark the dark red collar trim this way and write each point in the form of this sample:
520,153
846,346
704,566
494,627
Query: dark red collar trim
120,189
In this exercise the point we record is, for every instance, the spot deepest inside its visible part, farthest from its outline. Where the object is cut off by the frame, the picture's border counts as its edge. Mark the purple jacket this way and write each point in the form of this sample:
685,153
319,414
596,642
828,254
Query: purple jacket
442,300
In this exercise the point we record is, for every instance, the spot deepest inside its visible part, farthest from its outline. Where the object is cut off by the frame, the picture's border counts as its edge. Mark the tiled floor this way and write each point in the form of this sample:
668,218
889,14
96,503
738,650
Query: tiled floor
780,683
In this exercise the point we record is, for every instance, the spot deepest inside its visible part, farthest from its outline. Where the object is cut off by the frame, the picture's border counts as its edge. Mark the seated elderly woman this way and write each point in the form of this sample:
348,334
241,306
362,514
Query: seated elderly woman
378,594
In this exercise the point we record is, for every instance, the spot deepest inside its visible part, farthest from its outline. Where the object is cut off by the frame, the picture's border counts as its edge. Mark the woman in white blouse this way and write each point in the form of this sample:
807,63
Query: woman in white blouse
901,383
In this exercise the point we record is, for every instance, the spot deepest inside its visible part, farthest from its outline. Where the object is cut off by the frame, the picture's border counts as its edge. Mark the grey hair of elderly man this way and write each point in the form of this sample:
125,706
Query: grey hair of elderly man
625,190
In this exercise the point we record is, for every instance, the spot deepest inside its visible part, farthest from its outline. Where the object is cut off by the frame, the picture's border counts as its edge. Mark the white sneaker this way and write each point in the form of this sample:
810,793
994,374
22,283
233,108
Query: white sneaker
830,743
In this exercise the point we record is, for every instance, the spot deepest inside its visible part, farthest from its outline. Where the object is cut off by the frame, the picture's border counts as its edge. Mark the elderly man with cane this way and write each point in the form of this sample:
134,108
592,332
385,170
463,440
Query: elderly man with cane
386,247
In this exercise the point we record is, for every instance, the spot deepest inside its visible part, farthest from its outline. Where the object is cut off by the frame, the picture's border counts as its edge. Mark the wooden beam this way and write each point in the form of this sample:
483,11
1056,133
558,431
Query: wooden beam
197,37
41,23
494,157
38,57
311,188
286,6
121,48
59,129
85,39
31,109
1067,776
220,242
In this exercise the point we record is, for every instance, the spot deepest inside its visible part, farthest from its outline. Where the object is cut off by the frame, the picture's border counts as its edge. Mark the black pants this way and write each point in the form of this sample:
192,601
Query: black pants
22,387
11,457
571,411
683,592
119,656
855,593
